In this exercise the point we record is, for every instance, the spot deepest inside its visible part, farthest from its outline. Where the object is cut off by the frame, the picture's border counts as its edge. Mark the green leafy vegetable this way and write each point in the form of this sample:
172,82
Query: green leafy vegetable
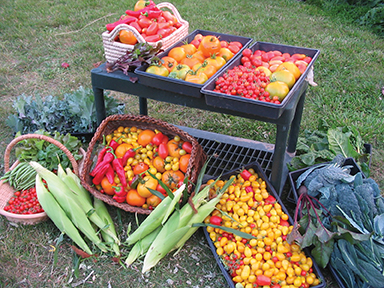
73,113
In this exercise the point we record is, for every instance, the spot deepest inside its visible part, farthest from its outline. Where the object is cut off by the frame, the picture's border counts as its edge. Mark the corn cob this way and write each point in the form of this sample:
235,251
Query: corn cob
61,191
156,217
82,197
58,216
101,209
141,247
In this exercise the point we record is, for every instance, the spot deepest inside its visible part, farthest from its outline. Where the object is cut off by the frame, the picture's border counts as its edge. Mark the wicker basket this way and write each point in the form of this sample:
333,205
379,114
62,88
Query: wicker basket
7,191
113,50
110,124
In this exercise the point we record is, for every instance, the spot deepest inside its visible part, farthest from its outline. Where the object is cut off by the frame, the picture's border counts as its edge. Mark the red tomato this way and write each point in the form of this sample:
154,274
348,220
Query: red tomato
224,44
153,28
144,22
238,44
234,48
215,220
195,43
247,53
163,150
156,140
187,146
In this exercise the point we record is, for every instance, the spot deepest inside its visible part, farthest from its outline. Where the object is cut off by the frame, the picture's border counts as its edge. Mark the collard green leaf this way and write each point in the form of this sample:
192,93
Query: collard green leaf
339,143
378,224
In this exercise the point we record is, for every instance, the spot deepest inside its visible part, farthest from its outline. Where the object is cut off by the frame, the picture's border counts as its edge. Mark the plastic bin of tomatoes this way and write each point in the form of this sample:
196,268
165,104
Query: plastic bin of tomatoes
129,155
259,90
147,22
188,64
261,256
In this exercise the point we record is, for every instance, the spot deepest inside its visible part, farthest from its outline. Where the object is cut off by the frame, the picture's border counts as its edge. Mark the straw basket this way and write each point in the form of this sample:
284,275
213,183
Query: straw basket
110,124
113,50
7,191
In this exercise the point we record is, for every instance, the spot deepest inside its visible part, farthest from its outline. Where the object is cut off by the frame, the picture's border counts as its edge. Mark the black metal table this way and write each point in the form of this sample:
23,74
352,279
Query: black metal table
273,157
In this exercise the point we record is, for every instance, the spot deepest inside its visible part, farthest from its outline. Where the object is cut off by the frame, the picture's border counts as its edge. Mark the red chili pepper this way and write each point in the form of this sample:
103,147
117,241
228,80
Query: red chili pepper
119,169
263,280
100,175
245,174
130,153
248,189
153,13
108,157
119,199
137,13
110,175
113,144
126,20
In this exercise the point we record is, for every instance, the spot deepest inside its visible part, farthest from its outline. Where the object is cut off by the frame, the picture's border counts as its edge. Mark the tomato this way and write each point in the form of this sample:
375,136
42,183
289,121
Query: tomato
144,22
177,53
226,54
277,88
172,178
265,70
127,37
189,49
169,63
290,67
184,162
247,53
121,149
153,201
152,29
174,148
285,76
108,188
216,61
215,220
156,140
163,150
187,146
135,24
158,69
140,168
210,45
205,68
158,163
197,78
195,43
161,190
134,198
141,4
145,137
190,61
236,43
169,16
180,71
234,48
284,223
224,44
147,182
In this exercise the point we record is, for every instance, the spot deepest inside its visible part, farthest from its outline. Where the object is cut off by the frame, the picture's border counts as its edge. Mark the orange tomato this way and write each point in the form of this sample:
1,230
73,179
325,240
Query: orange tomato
199,55
153,200
290,67
145,137
121,149
140,5
134,198
107,187
140,168
189,49
210,45
190,61
216,61
169,63
200,78
174,148
177,53
127,37
205,68
172,178
226,54
184,161
148,182
158,163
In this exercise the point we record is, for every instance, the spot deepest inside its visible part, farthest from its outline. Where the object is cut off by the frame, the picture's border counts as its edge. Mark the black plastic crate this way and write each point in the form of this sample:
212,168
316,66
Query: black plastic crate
254,107
181,86
272,192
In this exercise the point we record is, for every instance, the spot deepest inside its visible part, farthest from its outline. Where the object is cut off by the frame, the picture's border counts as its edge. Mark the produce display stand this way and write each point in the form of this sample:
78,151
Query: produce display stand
230,152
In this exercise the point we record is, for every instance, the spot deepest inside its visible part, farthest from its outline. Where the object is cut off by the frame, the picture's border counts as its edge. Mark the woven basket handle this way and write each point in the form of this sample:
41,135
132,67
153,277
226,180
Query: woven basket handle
112,35
7,153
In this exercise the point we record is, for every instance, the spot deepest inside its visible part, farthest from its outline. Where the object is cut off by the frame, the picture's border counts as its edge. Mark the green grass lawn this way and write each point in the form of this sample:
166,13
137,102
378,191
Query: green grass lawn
37,36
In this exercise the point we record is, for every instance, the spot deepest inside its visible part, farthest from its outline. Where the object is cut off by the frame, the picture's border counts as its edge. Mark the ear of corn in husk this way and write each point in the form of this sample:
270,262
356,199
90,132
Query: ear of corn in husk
58,216
156,217
82,197
102,210
74,211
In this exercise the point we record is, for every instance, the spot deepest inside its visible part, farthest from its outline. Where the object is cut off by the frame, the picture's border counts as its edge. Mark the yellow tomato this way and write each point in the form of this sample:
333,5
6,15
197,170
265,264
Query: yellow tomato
290,67
277,88
148,182
285,76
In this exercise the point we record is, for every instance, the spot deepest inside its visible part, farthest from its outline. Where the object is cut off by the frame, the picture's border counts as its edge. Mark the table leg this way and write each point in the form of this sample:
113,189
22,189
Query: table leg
99,104
295,126
278,165
143,106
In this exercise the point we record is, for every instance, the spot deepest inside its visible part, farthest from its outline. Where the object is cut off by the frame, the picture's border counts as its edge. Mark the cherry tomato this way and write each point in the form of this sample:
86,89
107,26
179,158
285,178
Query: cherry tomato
215,220
187,146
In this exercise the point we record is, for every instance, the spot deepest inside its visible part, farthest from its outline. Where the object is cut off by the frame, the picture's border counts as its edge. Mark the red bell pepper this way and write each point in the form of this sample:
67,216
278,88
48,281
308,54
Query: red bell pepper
120,192
245,174
119,199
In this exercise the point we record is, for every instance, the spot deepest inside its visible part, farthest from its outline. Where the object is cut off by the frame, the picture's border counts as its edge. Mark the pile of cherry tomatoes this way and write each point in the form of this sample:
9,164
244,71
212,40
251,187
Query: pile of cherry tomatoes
266,259
24,202
154,153
196,61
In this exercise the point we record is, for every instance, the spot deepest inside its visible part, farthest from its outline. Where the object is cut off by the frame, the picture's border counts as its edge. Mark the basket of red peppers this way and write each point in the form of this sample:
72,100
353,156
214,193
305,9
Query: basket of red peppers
147,22
131,156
